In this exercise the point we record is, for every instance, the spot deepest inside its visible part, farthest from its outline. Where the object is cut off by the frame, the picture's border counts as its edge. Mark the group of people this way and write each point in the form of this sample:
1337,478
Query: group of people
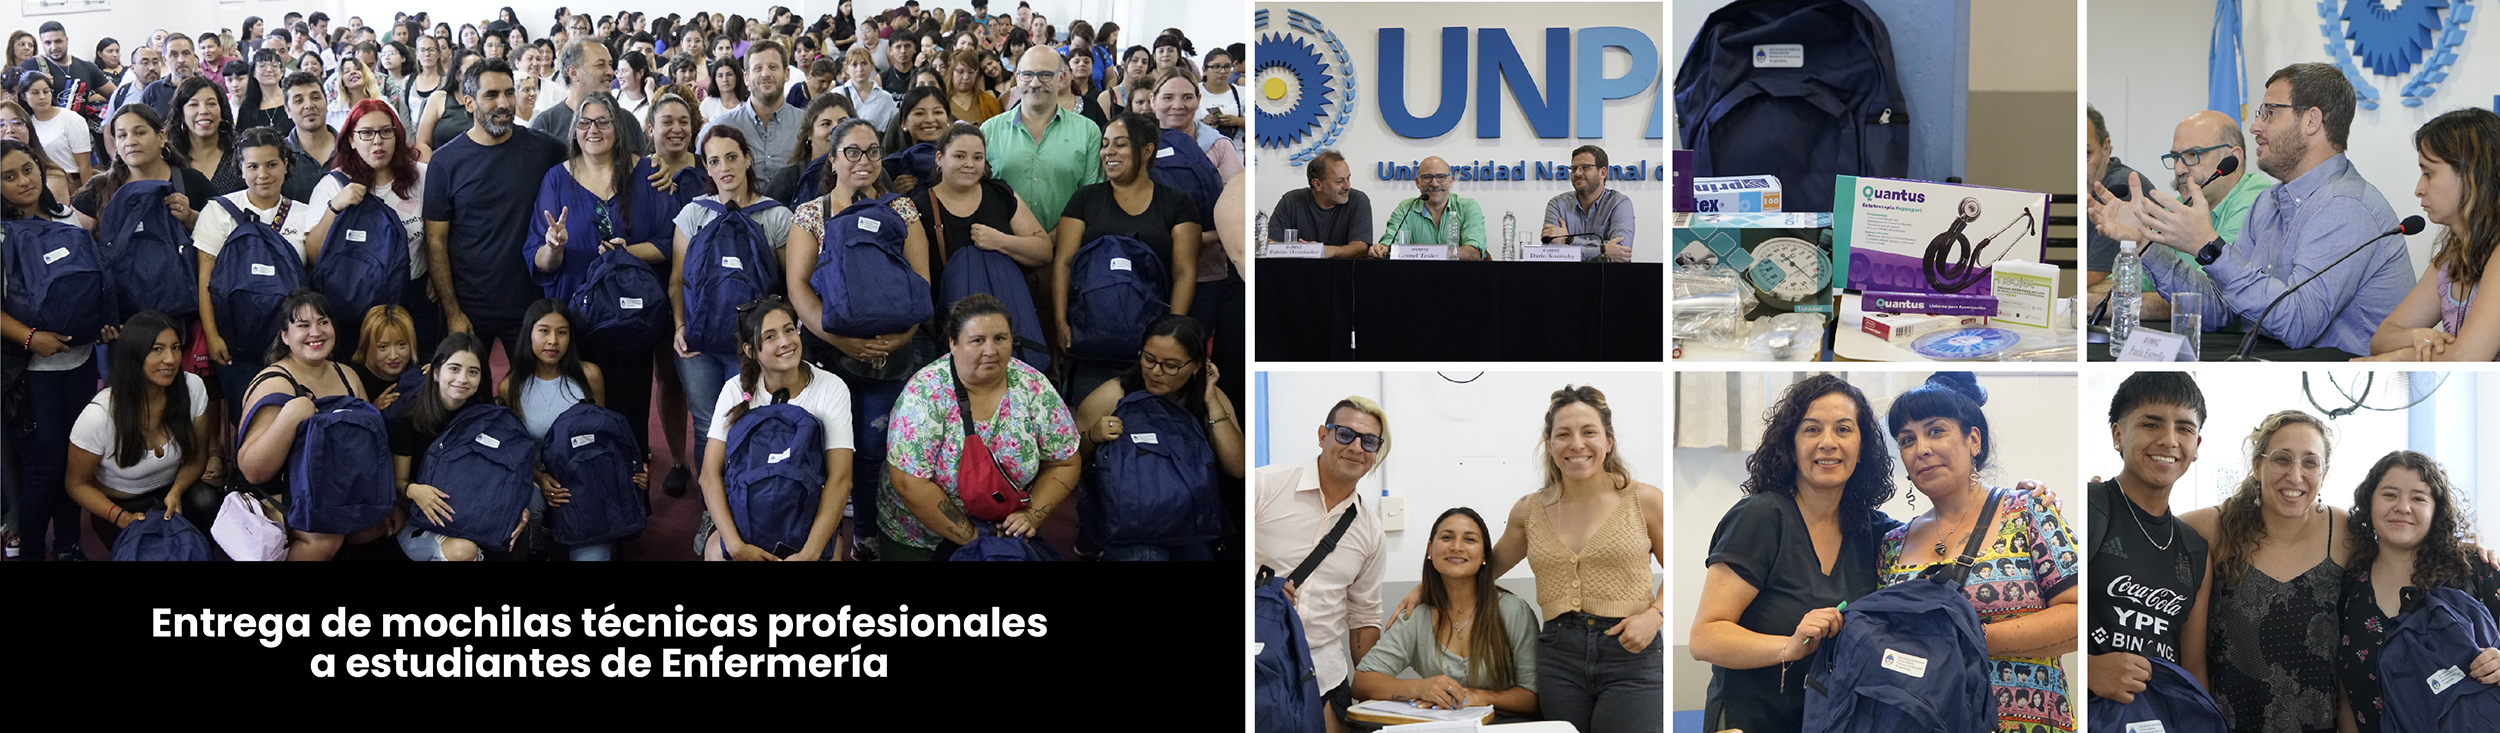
1033,241
1585,652
2244,238
1330,211
2279,599
1810,537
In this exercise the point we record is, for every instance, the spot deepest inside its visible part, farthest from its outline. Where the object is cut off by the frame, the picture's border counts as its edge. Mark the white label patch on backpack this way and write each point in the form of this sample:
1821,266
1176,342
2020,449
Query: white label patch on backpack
55,255
264,271
1121,263
631,304
355,235
1905,664
1779,56
2443,679
732,263
1164,153
869,225
784,455
582,440
488,441
1148,438
143,226
2146,726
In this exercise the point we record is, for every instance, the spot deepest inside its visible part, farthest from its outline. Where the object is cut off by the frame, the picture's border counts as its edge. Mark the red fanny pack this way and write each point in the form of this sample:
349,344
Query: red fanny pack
980,480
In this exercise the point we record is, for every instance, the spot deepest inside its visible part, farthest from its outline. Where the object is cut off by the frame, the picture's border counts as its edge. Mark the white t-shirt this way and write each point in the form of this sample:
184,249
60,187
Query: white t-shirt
93,433
65,138
209,232
825,397
411,212
713,108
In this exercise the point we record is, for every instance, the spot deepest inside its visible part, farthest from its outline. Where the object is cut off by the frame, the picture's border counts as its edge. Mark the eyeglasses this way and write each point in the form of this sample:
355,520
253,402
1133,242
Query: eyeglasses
12,122
2281,463
856,153
594,123
1371,443
1158,366
1434,177
1041,76
370,134
2265,110
2191,156
1576,168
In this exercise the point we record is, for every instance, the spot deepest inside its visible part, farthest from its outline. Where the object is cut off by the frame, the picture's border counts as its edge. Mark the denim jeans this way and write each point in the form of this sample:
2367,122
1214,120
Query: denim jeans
1588,679
53,401
1158,553
702,375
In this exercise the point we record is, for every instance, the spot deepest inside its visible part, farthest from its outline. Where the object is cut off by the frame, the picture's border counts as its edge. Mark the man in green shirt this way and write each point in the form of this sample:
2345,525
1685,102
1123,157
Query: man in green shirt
2198,145
1435,216
1042,151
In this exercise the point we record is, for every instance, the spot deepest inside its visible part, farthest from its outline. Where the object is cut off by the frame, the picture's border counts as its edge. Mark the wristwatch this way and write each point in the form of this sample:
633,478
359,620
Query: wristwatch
2211,252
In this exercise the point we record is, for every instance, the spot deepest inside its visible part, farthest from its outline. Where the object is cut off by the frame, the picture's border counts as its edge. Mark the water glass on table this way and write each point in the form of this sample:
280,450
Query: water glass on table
2187,318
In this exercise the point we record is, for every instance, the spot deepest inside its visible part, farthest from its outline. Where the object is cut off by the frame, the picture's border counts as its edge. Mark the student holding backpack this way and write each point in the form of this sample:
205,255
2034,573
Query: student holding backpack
458,370
739,522
726,253
259,204
984,228
976,437
1170,401
378,165
588,209
302,385
2407,503
385,357
553,380
140,153
2156,421
1127,209
144,452
58,306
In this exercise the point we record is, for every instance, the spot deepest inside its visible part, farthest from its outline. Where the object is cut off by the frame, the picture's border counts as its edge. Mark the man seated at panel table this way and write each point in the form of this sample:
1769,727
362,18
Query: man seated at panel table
1597,218
1436,216
1329,212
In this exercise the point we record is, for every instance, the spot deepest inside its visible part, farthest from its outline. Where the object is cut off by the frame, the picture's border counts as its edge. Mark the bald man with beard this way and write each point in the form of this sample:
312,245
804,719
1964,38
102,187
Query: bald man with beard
1436,216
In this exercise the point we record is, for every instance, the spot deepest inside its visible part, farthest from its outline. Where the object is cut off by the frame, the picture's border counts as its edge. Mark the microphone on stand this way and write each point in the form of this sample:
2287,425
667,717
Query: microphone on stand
2222,169
2412,225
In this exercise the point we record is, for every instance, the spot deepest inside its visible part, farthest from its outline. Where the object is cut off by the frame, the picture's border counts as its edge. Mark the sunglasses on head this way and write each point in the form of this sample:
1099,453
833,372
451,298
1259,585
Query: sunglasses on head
1371,443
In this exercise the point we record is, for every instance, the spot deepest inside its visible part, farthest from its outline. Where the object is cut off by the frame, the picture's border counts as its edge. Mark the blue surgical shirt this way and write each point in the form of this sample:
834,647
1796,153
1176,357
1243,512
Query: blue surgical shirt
2293,231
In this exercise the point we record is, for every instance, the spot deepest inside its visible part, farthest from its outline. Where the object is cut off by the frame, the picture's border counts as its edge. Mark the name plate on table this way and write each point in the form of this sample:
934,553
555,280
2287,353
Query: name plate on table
2146,344
1549,254
1419,252
1295,251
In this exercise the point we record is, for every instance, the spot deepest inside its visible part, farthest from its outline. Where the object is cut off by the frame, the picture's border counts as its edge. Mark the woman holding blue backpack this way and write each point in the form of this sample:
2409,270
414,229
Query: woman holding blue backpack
377,162
554,380
2408,538
724,267
773,376
61,375
264,164
1129,205
1171,366
297,385
458,372
979,443
139,447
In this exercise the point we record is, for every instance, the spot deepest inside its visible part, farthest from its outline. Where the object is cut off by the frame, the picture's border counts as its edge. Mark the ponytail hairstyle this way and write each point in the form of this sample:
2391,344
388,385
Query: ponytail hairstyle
751,337
2242,519
1192,337
1583,394
1488,643
833,177
568,365
2468,140
429,413
129,383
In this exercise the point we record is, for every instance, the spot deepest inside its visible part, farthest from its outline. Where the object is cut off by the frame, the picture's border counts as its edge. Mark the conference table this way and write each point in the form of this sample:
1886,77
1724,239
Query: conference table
1414,310
2219,346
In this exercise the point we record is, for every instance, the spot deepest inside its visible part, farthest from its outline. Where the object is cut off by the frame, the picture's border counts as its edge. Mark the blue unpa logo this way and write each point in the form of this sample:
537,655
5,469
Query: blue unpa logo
2393,41
1498,63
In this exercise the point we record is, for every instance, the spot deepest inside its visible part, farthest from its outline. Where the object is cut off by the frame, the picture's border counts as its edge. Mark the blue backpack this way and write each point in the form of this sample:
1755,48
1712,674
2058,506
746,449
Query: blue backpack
148,252
623,304
339,477
1116,288
868,287
812,179
591,452
1908,657
2171,699
1181,164
483,462
774,476
1800,89
364,262
975,270
153,536
1155,484
57,281
253,275
987,546
2422,668
412,382
918,161
1285,690
728,264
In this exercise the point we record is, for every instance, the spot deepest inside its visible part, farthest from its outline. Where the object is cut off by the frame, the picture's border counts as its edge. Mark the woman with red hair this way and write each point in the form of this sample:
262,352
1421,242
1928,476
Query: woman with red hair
378,160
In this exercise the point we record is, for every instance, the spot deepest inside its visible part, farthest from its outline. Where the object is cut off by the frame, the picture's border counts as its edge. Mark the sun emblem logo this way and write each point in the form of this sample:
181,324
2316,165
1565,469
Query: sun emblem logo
2392,41
1298,67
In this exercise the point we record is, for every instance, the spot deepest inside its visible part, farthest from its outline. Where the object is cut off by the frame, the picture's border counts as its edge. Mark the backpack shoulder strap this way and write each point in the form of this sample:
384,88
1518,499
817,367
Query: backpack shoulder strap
281,373
1978,537
1327,544
232,211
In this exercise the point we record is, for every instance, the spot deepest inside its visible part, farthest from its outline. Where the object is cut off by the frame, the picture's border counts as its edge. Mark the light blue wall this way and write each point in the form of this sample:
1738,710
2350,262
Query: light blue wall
1930,50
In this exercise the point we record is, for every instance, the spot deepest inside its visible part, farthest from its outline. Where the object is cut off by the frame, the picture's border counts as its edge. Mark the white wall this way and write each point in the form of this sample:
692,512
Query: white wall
2151,73
2033,416
1472,445
1368,140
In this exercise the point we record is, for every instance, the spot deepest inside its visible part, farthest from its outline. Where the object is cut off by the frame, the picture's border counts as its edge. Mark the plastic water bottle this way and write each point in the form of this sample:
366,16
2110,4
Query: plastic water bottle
1258,234
2126,294
1510,236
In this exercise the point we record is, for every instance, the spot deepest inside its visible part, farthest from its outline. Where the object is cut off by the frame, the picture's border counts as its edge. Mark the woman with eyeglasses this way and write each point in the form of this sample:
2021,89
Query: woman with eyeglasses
2275,569
263,103
378,161
1171,364
977,389
1220,100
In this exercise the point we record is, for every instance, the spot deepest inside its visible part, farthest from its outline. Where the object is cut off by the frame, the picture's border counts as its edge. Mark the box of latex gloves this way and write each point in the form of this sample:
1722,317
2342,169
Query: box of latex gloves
1736,194
1931,241
1787,257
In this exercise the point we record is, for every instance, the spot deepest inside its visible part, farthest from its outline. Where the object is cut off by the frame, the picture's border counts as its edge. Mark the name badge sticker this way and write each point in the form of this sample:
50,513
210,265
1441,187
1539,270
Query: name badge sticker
1147,438
732,263
631,304
1121,263
1905,664
264,271
582,440
1779,56
488,441
1164,153
355,235
784,455
55,255
869,225
2446,678
2146,726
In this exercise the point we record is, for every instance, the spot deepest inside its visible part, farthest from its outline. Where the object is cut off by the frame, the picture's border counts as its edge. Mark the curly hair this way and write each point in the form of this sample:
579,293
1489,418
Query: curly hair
2447,554
1773,467
2242,517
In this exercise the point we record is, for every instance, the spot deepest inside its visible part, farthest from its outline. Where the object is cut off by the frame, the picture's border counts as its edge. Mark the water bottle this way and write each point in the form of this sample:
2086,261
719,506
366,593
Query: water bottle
1258,234
2126,296
1510,236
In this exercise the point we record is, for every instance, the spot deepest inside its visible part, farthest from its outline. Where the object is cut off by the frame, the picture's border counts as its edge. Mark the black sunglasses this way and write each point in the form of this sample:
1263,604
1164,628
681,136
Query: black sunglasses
1371,443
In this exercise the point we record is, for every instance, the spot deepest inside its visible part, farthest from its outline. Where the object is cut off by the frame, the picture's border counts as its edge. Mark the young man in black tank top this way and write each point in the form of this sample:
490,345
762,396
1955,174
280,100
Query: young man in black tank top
2146,563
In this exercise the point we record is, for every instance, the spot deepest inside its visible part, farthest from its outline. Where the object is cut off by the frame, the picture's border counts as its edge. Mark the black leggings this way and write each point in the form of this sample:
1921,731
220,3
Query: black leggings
199,505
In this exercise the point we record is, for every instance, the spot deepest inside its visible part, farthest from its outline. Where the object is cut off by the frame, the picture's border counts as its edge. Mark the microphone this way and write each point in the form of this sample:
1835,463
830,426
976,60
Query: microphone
2412,225
2222,169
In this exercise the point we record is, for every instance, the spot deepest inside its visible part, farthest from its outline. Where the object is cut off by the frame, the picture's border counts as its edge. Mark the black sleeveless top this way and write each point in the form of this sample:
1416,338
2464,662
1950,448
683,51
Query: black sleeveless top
948,233
2272,648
